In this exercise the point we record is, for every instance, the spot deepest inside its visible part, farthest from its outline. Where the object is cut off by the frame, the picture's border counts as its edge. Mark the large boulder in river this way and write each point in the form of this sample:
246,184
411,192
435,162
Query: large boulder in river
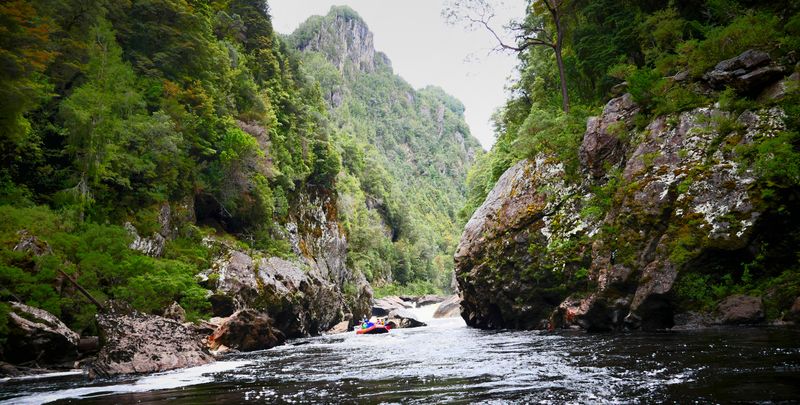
449,308
37,335
548,251
246,330
383,306
429,300
133,342
741,309
403,318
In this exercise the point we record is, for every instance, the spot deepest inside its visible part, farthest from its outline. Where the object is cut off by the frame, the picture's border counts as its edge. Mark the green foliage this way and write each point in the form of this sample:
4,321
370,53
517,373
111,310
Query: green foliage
752,30
98,257
112,110
415,288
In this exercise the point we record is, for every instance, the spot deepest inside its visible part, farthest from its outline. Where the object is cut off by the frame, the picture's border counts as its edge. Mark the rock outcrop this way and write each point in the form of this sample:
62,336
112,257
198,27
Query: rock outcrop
429,300
137,343
36,335
543,252
303,295
603,145
383,306
347,42
403,318
748,72
449,308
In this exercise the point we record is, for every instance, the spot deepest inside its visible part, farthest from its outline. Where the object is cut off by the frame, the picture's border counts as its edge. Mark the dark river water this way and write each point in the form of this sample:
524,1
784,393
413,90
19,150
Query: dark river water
447,362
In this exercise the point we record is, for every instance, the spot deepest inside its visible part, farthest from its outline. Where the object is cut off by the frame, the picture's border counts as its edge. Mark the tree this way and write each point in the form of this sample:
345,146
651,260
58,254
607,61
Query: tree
533,31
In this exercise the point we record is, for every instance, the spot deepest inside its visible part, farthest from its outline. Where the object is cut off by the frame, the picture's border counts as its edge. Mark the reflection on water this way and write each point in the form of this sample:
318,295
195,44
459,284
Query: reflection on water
448,362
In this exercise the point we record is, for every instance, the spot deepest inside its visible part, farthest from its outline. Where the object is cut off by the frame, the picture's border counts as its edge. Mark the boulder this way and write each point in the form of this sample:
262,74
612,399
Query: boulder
137,343
748,72
246,330
495,262
603,145
741,309
383,306
530,256
794,311
449,308
36,335
429,300
175,312
403,318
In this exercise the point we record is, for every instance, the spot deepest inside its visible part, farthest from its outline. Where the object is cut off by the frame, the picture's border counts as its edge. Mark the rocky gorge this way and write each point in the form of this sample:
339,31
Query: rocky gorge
643,236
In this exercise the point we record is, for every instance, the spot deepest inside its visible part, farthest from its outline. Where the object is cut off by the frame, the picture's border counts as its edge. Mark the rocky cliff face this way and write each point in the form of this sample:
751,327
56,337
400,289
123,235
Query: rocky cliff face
304,295
346,41
678,203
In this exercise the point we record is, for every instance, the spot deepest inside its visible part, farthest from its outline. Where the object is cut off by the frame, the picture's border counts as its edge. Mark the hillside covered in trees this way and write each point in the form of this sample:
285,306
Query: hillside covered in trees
147,145
405,153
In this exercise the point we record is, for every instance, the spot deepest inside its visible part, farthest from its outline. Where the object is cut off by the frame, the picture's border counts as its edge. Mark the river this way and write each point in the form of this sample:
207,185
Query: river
448,362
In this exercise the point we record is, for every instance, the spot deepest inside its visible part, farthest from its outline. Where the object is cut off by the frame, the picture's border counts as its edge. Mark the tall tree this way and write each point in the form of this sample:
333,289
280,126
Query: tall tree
543,26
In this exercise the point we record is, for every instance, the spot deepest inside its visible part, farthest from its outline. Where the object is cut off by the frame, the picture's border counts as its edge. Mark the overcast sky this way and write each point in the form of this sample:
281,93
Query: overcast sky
425,50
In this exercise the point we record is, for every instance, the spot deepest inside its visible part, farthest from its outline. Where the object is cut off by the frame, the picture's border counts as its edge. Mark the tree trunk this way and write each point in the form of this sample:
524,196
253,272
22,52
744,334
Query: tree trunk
562,76
557,47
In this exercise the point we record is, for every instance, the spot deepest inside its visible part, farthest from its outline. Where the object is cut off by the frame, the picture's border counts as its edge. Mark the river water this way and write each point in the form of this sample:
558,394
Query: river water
448,362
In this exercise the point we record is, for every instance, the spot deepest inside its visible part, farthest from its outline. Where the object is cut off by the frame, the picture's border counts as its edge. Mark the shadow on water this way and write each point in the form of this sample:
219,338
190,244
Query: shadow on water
448,362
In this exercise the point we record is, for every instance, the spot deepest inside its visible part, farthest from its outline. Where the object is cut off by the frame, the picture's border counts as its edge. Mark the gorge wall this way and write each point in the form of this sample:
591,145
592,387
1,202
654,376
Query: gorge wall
670,224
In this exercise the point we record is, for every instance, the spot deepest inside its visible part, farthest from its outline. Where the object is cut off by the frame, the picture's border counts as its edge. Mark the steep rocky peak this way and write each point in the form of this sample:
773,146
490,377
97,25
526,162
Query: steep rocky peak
344,38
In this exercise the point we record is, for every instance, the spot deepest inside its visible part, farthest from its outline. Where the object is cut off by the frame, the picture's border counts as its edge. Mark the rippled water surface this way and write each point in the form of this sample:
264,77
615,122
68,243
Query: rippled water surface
448,362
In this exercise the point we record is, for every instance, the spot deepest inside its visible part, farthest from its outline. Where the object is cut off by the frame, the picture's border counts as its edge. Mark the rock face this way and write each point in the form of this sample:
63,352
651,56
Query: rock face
536,255
348,42
493,258
602,145
304,295
246,330
137,343
449,308
741,309
37,335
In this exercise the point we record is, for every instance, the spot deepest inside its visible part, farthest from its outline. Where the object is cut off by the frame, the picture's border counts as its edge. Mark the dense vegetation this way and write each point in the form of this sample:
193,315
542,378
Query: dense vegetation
645,44
405,155
112,109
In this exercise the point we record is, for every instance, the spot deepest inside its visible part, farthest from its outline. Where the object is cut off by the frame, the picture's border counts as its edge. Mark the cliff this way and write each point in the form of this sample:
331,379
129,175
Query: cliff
668,224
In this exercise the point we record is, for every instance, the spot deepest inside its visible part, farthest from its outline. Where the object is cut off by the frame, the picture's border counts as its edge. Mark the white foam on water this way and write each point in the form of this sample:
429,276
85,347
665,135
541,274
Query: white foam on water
160,381
42,376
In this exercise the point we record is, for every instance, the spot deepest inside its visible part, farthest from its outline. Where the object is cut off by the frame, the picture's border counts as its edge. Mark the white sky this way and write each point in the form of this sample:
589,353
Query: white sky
425,50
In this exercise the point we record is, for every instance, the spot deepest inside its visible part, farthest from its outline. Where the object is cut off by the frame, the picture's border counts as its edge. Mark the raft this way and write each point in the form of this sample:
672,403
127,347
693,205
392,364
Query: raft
373,330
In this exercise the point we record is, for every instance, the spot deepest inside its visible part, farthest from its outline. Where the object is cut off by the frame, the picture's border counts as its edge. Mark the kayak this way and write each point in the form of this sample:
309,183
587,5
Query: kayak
373,329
